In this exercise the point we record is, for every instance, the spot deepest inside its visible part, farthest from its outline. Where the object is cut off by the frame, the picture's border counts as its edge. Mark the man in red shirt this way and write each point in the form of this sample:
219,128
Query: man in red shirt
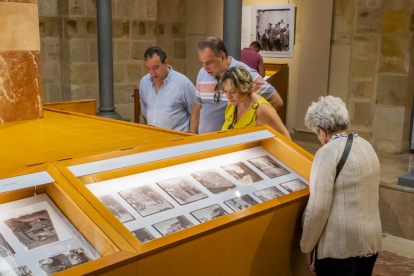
251,57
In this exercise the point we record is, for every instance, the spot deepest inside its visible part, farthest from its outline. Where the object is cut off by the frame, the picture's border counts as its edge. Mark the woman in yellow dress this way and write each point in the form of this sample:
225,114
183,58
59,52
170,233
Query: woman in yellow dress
246,107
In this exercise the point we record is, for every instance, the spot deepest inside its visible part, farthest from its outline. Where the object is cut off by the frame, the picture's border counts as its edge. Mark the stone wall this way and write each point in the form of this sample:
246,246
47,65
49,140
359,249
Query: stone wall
371,68
70,52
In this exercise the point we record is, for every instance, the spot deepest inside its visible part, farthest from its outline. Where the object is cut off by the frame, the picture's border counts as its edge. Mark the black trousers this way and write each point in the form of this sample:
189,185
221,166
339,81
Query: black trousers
354,266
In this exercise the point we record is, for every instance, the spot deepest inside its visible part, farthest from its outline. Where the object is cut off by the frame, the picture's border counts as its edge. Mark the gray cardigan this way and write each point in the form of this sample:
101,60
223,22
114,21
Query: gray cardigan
343,218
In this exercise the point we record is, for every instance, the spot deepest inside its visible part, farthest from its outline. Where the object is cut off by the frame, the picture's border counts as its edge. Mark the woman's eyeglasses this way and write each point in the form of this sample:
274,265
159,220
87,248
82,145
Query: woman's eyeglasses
217,95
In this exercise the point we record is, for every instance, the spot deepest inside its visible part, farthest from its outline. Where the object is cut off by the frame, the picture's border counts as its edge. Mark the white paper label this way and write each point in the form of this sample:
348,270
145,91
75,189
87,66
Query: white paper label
108,165
164,217
199,168
130,185
24,211
255,155
260,186
56,250
229,161
24,181
199,205
167,176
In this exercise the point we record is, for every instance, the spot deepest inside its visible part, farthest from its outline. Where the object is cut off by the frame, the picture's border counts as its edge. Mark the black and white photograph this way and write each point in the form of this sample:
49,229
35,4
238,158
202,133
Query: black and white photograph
172,225
268,166
5,249
182,190
78,256
19,271
268,193
213,181
64,261
55,264
23,271
242,173
33,230
274,27
294,185
145,200
143,235
239,203
116,208
209,213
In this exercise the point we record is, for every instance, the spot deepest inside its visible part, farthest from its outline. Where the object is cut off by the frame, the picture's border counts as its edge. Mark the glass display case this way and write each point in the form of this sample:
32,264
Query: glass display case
232,199
44,230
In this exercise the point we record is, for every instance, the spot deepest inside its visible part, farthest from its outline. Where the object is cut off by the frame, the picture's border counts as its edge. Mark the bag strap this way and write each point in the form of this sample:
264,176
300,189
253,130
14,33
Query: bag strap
345,154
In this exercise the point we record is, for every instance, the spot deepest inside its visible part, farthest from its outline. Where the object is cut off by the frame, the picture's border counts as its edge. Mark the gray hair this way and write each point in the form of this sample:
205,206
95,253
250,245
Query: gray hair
329,113
214,44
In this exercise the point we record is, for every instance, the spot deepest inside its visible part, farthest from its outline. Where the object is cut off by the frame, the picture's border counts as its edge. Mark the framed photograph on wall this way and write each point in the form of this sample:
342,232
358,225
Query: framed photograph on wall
273,26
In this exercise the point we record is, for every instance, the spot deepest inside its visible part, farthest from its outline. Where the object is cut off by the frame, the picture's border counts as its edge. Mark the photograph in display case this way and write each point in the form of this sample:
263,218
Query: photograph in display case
213,181
268,166
5,249
242,173
172,225
19,271
143,235
64,261
209,213
145,200
182,190
33,230
239,203
116,208
294,185
268,193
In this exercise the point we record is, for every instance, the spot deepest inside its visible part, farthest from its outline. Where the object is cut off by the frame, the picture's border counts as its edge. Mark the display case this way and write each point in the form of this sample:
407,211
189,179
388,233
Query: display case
216,204
47,228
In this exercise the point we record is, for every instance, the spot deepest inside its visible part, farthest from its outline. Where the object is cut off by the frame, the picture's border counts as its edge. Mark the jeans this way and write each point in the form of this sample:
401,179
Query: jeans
354,266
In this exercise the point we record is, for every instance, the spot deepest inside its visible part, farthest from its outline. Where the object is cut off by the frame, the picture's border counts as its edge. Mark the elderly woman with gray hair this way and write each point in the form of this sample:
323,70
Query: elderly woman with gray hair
342,226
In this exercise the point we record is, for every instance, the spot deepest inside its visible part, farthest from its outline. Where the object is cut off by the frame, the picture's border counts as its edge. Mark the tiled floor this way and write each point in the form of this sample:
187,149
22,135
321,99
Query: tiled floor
397,257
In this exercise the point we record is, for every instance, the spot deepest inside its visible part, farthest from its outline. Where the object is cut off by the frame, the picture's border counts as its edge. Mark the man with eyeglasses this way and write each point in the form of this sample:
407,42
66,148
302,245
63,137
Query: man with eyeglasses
210,104
166,96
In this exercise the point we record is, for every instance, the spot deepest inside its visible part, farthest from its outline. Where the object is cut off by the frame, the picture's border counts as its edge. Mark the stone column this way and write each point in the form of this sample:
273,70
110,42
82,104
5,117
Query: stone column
20,74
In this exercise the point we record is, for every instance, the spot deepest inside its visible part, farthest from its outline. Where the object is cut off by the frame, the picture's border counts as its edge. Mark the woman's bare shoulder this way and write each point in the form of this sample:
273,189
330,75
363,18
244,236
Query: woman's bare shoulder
264,108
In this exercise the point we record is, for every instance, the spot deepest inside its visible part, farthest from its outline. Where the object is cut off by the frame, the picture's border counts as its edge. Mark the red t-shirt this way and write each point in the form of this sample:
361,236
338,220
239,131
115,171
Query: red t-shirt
251,58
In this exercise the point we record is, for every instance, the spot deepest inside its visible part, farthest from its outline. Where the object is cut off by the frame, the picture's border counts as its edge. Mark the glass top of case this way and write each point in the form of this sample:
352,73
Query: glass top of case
163,201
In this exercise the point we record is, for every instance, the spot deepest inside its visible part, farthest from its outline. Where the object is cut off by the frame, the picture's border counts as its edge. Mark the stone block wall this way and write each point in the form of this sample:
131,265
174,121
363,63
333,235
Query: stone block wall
378,34
70,50
171,31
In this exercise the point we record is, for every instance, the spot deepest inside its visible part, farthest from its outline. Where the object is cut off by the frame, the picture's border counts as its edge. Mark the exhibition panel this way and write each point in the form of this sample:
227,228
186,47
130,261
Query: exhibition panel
192,197
44,230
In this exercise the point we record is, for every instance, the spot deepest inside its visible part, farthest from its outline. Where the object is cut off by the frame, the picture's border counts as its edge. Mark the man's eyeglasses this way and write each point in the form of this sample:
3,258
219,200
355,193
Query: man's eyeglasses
217,95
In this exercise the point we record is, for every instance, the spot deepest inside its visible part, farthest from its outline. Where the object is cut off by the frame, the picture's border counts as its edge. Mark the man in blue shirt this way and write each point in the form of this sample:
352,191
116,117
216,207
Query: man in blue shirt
166,96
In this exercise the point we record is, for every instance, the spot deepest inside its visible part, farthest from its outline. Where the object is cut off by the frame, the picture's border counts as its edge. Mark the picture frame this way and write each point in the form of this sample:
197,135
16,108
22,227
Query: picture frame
145,200
274,27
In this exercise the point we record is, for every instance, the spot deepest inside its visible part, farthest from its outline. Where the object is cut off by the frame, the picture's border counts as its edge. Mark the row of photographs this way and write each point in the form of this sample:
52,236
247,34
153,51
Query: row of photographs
49,265
211,212
146,201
